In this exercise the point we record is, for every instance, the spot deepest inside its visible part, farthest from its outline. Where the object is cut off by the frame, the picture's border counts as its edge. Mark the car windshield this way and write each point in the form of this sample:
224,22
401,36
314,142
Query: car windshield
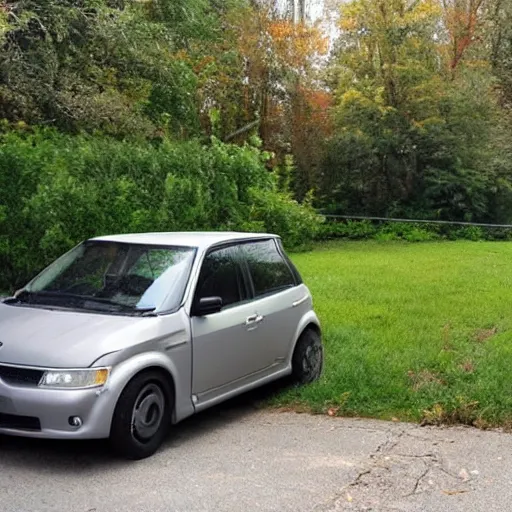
114,277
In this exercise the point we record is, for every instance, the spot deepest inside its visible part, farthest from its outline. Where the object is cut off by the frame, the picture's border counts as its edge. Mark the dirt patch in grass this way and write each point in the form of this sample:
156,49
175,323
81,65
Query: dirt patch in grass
467,366
483,335
463,412
424,378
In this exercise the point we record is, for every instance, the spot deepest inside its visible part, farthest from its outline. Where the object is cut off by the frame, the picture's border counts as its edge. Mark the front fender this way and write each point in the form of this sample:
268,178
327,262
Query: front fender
176,364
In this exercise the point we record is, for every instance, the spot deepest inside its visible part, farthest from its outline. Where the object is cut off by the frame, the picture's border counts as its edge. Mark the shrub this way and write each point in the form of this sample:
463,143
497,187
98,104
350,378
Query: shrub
501,234
355,230
57,190
383,236
410,232
419,235
473,233
279,213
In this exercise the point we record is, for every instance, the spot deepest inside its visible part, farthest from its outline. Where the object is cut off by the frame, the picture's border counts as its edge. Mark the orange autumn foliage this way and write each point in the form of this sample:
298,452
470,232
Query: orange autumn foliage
462,21
296,44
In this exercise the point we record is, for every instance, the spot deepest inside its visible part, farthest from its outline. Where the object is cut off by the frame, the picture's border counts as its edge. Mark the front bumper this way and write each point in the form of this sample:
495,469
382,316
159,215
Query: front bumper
30,411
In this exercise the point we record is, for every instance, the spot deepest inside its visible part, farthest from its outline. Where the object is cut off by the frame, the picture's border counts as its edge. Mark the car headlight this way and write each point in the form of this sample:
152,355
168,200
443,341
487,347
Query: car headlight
75,379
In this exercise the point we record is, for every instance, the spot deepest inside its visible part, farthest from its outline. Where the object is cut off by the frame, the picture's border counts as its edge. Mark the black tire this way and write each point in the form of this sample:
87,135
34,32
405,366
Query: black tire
308,358
142,416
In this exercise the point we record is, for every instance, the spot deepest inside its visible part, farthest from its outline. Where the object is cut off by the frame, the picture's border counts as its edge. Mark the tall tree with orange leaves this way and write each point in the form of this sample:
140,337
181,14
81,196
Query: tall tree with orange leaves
463,21
299,46
282,58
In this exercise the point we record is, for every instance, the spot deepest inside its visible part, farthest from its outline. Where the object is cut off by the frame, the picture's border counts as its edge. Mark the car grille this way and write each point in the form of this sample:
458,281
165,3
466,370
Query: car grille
20,376
20,422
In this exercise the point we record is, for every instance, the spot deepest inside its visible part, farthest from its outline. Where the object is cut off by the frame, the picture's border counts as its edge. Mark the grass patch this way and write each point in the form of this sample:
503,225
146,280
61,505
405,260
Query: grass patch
416,332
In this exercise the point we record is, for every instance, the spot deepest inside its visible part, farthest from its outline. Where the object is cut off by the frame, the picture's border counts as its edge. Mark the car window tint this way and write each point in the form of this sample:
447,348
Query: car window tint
221,276
268,269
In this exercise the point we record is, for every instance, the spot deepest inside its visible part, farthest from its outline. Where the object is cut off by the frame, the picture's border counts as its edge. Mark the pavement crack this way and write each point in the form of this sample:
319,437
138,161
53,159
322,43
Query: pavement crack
372,473
432,456
358,478
388,444
372,430
418,482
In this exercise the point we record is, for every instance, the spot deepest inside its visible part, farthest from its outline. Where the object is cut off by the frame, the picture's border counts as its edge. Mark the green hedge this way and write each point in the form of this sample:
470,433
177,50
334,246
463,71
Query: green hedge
56,190
407,231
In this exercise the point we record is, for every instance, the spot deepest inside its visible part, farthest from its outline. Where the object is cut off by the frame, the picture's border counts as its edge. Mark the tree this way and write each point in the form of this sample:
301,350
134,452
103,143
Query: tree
463,21
499,36
122,67
409,139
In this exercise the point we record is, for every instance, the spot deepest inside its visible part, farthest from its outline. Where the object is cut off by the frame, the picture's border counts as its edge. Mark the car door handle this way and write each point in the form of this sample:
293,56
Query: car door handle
300,301
253,319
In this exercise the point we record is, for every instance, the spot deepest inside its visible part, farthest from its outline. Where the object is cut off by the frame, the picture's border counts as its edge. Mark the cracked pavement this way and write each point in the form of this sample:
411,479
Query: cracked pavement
238,458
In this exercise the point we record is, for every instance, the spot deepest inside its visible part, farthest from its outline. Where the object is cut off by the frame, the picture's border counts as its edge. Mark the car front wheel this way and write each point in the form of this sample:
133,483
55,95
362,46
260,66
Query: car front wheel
142,416
308,358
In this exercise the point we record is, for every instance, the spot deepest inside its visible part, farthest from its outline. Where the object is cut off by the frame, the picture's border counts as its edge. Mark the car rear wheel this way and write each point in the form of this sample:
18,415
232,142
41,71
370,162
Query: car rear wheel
308,358
142,416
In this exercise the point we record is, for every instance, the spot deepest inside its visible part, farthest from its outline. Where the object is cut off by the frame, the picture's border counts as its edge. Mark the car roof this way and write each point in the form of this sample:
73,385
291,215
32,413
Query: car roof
198,239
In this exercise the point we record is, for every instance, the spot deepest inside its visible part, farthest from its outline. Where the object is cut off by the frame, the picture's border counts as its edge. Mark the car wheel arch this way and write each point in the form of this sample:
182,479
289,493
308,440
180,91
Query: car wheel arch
130,369
310,324
311,327
166,375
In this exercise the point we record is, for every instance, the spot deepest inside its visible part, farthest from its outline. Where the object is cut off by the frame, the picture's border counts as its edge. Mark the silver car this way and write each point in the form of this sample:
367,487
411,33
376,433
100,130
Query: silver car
125,335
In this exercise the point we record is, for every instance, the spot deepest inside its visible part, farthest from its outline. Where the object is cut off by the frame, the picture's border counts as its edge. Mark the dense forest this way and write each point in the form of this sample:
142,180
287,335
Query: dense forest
130,115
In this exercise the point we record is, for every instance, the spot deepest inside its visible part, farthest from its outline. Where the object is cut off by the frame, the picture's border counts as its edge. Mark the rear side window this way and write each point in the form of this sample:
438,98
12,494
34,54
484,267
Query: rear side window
295,272
221,276
269,271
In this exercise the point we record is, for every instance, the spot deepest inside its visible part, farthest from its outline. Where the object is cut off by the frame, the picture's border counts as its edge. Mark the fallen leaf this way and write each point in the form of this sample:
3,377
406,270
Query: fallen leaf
453,493
349,498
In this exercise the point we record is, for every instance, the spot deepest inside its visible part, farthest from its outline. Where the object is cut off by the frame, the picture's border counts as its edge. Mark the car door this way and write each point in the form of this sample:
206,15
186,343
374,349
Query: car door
222,341
277,292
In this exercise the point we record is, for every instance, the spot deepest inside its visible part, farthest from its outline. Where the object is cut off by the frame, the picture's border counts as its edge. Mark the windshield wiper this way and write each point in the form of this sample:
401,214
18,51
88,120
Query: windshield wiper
22,296
111,305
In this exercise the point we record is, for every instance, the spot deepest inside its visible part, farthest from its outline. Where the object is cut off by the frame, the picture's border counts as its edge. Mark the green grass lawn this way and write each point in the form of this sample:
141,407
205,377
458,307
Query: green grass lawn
412,331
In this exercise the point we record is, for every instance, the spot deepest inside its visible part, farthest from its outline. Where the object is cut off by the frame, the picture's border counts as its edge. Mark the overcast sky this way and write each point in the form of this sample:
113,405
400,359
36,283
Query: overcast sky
324,11
315,8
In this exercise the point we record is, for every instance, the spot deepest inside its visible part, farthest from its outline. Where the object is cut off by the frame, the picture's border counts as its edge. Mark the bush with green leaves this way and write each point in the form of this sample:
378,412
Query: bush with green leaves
473,233
356,230
409,231
56,190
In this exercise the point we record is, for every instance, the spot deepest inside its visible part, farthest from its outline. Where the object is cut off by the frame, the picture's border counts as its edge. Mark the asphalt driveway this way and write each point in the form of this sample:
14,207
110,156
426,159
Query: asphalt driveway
238,458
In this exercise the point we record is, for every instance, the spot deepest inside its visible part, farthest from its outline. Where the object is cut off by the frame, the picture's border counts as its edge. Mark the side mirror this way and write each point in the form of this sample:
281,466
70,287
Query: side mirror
208,306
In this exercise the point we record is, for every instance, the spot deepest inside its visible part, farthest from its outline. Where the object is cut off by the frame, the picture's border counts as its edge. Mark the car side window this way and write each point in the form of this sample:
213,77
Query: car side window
269,271
221,276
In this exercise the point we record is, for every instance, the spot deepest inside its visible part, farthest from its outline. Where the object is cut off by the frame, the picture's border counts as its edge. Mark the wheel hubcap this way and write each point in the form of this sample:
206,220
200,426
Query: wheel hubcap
148,412
312,360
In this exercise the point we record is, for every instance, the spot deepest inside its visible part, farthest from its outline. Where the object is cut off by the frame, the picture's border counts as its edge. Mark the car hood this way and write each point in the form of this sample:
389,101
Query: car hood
65,339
